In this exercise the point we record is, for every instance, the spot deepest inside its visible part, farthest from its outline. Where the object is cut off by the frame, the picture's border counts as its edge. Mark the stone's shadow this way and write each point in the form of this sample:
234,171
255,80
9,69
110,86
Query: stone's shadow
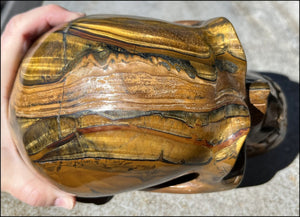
262,168
95,200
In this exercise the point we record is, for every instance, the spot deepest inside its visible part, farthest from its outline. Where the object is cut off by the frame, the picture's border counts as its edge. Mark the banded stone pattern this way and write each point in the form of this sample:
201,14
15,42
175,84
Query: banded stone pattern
107,104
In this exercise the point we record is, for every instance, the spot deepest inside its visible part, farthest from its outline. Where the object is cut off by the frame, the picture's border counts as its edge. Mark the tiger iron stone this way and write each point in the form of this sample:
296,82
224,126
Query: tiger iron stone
109,104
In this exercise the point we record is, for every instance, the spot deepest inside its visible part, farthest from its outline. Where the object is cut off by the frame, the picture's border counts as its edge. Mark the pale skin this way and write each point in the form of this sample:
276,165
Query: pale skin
17,178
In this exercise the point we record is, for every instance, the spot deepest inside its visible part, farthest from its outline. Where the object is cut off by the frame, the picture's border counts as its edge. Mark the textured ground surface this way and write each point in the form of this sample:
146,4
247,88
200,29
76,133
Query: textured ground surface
269,33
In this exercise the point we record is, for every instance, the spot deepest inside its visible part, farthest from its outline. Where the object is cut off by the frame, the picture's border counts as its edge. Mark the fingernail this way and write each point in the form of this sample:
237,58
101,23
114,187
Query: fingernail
80,14
75,15
64,202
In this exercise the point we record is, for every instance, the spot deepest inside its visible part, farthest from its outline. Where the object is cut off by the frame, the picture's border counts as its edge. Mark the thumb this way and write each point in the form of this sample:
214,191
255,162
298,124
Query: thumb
29,187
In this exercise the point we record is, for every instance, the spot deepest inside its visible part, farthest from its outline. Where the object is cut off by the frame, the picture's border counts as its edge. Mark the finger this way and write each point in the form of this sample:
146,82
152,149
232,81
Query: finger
24,185
38,20
18,34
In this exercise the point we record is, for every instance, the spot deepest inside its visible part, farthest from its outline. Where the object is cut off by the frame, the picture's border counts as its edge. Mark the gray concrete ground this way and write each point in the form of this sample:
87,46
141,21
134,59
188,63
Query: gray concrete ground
269,33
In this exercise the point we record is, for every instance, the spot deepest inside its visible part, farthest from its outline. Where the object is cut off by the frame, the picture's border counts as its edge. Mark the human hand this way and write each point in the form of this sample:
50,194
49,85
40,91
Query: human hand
16,178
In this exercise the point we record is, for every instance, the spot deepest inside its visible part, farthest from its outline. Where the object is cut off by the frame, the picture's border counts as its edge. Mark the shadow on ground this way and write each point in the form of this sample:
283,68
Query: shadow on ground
261,169
97,200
